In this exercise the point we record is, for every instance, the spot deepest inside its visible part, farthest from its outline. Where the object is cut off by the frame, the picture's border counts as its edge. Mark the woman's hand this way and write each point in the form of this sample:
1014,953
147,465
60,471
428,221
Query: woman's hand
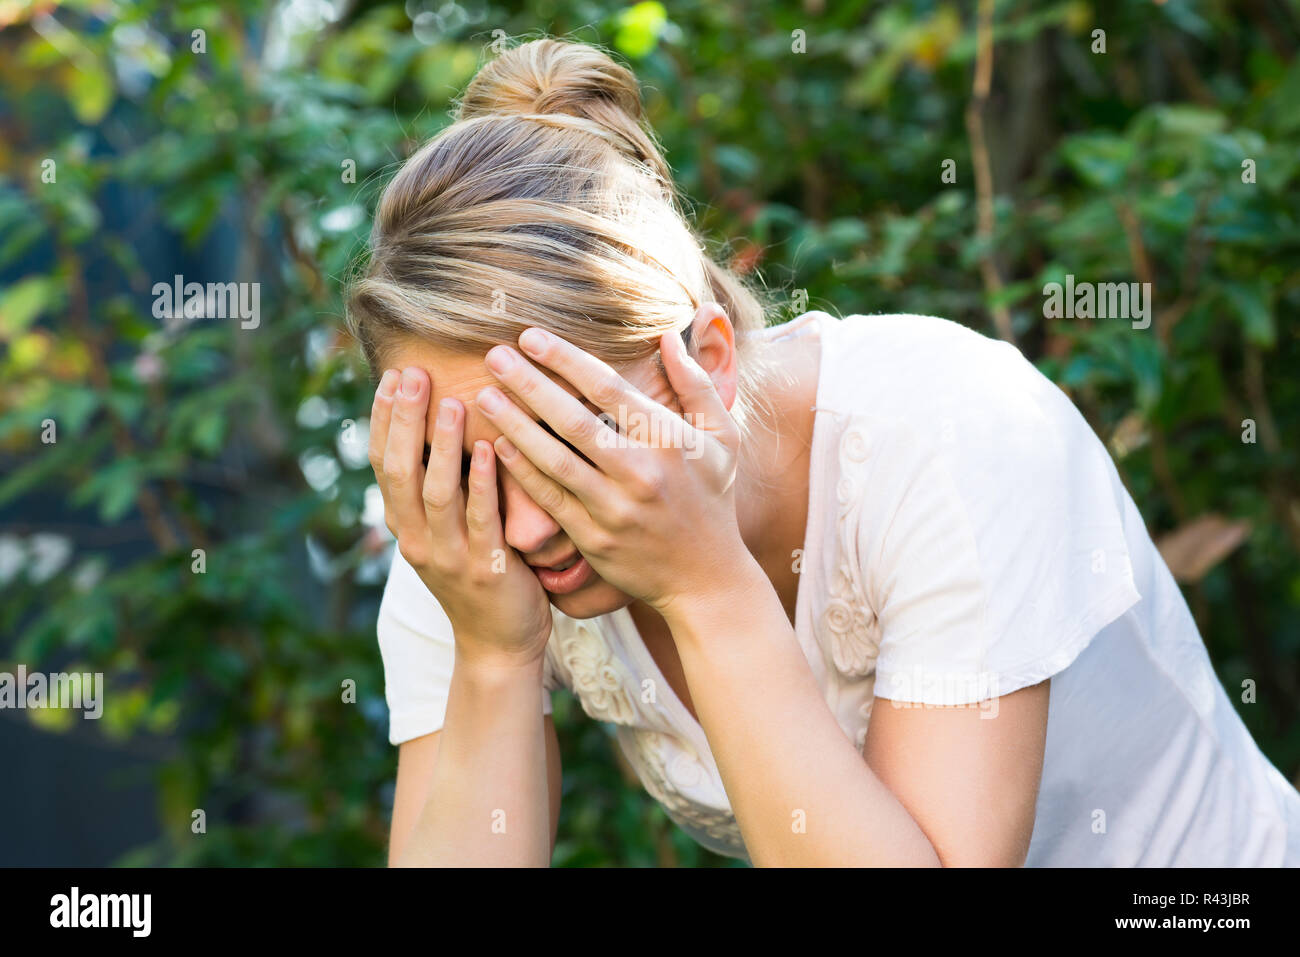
653,509
497,607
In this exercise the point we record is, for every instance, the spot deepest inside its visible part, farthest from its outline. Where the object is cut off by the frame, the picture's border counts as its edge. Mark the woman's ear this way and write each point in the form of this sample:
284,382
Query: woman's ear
713,345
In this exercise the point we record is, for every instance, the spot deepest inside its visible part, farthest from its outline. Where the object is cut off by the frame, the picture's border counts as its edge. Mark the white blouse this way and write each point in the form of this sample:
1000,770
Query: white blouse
967,536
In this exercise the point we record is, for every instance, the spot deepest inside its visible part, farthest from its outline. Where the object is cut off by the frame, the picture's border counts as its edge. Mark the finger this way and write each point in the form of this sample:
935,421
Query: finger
605,388
554,498
381,413
551,456
444,504
557,407
696,393
483,512
404,453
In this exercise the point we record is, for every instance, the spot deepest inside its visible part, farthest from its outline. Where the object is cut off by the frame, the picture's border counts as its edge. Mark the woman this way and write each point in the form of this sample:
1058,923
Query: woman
852,592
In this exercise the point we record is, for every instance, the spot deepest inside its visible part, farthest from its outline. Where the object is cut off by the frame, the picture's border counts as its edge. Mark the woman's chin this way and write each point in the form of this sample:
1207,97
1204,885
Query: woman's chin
597,597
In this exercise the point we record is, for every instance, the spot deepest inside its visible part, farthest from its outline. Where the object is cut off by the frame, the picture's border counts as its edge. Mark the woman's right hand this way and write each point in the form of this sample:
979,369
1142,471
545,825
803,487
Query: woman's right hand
455,542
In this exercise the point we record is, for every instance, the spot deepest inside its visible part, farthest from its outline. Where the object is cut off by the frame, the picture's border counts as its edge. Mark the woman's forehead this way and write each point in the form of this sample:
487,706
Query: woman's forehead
462,376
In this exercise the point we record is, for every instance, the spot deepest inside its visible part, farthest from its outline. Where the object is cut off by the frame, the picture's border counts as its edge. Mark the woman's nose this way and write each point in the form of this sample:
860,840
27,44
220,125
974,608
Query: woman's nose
528,526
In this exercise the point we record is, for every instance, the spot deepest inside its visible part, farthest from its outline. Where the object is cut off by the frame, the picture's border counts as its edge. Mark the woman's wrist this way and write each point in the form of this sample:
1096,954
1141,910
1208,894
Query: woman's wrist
490,668
733,593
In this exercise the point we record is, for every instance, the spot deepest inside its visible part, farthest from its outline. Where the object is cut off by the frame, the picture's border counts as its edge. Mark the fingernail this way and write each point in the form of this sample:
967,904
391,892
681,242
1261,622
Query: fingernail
446,413
505,448
533,341
500,359
410,384
388,384
480,454
489,400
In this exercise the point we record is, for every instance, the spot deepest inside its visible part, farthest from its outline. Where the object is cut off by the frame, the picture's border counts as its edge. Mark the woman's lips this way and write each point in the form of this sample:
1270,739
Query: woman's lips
569,580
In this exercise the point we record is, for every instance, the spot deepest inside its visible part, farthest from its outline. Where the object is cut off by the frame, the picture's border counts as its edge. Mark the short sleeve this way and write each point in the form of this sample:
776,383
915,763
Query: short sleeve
419,651
990,535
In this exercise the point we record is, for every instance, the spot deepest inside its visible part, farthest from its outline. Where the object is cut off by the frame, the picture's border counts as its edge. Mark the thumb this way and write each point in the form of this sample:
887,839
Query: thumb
693,385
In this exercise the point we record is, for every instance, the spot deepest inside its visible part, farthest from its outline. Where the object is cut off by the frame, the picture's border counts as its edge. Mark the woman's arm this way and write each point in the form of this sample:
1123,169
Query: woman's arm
800,792
488,800
942,786
490,793
416,760
968,774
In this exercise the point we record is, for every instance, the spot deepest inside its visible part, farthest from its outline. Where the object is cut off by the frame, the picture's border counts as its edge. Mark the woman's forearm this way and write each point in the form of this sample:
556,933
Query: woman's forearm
801,793
488,803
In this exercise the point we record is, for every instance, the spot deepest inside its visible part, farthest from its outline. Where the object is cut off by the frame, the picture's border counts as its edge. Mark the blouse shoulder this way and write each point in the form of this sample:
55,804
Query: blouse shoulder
976,516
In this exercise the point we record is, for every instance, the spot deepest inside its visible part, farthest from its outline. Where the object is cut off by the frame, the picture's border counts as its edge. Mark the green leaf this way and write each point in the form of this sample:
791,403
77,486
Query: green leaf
639,27
1100,159
1191,122
26,299
1252,304
90,90
209,431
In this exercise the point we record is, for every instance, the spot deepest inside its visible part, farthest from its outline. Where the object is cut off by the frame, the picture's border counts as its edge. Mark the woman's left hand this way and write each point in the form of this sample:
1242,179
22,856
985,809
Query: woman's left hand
653,510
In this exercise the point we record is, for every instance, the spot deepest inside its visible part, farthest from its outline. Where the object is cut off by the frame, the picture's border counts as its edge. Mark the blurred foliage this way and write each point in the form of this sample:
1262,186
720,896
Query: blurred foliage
811,136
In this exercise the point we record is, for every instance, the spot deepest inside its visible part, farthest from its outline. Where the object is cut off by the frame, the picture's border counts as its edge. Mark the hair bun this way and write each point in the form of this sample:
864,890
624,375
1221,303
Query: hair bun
552,77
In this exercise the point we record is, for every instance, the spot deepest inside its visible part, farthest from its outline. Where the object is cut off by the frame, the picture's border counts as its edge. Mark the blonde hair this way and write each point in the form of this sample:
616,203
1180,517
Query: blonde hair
548,203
